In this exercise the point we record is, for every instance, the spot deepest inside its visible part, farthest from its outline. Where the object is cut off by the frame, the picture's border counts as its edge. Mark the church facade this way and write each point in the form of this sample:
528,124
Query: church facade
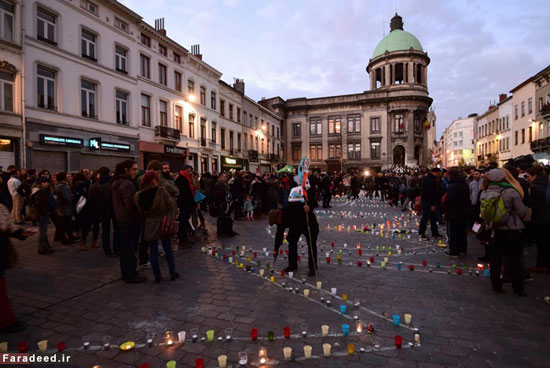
386,126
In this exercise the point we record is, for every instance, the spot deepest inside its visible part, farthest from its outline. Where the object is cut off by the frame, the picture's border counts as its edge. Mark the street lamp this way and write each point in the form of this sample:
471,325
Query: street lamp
191,97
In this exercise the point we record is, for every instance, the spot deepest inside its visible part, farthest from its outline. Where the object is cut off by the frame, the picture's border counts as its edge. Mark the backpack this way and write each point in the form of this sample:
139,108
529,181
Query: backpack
492,210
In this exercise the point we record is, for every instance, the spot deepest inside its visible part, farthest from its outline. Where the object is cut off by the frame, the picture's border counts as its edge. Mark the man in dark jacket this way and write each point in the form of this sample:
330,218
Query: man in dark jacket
456,212
127,217
101,195
540,204
430,200
186,202
326,184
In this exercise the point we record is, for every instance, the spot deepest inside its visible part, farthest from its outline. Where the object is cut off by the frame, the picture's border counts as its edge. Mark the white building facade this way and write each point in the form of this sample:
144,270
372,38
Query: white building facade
459,142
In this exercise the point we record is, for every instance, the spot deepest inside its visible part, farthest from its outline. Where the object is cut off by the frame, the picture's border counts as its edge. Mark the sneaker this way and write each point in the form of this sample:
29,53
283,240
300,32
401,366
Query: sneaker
527,277
144,266
448,254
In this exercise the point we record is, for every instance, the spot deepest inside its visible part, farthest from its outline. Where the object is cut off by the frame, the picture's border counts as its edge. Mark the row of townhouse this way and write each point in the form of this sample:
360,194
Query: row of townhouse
517,125
89,83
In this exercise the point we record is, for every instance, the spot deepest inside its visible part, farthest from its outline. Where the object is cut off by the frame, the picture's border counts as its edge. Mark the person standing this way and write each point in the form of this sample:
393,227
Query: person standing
506,232
456,212
127,217
17,199
186,202
475,187
540,204
101,196
429,199
42,207
326,185
87,215
64,206
156,205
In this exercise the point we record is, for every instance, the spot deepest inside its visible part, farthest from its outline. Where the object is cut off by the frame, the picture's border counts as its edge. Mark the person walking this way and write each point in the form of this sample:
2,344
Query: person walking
429,199
456,213
127,217
540,204
156,206
500,187
326,187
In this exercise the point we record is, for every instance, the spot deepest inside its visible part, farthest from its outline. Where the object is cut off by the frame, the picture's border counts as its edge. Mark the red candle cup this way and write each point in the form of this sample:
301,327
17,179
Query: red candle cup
254,334
23,347
411,267
299,258
398,341
360,252
424,263
359,263
286,331
233,253
371,259
199,363
61,346
145,365
328,259
282,272
281,252
255,254
458,271
213,252
224,257
286,251
332,244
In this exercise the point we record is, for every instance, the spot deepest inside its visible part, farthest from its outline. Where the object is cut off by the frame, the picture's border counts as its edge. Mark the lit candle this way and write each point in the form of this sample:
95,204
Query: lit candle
107,342
168,338
262,355
324,330
43,346
359,327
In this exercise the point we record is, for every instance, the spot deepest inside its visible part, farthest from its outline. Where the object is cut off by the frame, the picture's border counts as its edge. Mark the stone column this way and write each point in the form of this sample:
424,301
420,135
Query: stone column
411,73
425,72
388,81
372,79
409,158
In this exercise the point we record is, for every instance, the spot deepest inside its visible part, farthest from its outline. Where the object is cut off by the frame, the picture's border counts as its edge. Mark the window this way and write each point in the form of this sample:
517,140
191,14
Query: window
203,132
334,150
296,130
144,66
263,146
6,91
238,142
251,142
239,114
354,123
222,137
45,27
375,150
316,152
121,58
278,132
231,111
163,116
145,40
91,7
178,115
213,135
375,125
296,152
162,75
541,103
354,151
315,127
231,146
273,130
334,125
523,136
145,110
203,96
163,50
121,107
88,43
417,126
6,20
87,94
255,122
190,87
177,58
507,122
177,81
245,141
454,134
530,134
530,105
191,126
399,123
213,100
522,108
123,26
222,107
516,112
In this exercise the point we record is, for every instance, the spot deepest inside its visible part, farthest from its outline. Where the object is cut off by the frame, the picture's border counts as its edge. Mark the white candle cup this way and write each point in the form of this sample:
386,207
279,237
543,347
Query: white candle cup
333,291
324,330
265,249
306,293
181,336
307,351
417,338
319,284
326,350
243,358
287,352
408,318
43,346
222,361
290,274
230,259
262,272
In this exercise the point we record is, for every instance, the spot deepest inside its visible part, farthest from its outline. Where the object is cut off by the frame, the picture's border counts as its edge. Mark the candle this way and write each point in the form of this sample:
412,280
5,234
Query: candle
61,346
324,330
396,318
168,338
333,290
262,355
106,342
417,338
351,349
306,293
199,363
408,318
343,309
222,361
194,334
272,279
344,297
356,314
228,332
304,329
270,336
307,351
398,341
262,272
286,332
43,346
23,347
287,352
345,329
254,334
243,358
326,350
170,364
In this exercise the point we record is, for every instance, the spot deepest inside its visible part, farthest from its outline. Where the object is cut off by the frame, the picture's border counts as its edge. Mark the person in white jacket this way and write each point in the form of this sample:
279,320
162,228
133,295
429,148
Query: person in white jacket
13,184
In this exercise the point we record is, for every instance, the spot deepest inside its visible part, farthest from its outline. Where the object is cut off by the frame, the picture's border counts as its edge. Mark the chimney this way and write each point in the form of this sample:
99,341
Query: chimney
239,85
196,51
502,97
159,26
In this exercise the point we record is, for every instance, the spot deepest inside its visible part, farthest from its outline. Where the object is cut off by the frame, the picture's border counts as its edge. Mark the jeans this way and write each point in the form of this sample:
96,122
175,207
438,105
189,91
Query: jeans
43,232
129,238
154,257
428,215
507,243
458,239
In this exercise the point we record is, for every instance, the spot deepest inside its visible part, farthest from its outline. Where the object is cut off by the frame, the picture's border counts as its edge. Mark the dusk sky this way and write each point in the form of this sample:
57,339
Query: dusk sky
311,48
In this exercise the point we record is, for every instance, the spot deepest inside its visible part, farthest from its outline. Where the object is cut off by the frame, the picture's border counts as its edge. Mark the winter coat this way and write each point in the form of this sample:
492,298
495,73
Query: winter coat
457,200
512,201
171,188
101,195
124,206
272,190
64,200
237,188
540,204
186,199
429,190
41,201
220,193
475,186
154,203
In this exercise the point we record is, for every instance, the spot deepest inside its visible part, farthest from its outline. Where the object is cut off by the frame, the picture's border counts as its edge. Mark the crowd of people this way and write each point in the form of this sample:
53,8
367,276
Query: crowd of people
140,213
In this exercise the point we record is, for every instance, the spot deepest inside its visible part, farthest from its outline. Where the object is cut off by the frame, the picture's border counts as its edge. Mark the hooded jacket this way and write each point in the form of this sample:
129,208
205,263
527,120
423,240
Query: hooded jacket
512,200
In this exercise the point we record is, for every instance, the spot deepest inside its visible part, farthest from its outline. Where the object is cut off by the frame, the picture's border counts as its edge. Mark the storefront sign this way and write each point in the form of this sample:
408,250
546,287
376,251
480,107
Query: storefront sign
173,150
54,140
97,144
233,162
230,161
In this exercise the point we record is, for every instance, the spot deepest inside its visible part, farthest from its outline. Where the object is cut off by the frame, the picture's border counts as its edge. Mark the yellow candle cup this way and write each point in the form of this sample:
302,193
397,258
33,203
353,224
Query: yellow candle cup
307,351
324,330
287,352
326,350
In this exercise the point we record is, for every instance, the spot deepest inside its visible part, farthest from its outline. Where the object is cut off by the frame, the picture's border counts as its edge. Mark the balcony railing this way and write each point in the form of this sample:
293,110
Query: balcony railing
545,109
47,40
212,144
162,131
540,145
89,57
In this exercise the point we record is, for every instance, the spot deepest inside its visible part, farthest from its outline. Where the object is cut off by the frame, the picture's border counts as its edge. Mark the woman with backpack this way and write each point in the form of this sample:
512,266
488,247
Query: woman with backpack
502,210
540,204
158,208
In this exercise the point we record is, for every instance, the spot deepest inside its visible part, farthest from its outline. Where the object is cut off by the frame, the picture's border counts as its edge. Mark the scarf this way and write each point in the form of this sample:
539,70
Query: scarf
189,181
503,184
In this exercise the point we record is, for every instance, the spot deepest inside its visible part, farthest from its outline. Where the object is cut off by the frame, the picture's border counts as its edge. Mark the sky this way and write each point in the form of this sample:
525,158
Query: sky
312,48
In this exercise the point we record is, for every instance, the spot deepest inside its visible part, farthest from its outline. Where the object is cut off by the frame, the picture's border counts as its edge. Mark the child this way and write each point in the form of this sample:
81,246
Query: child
249,208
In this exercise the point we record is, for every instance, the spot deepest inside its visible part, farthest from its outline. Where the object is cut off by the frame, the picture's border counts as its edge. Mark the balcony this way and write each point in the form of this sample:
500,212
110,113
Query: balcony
541,145
253,155
545,111
212,144
163,132
89,57
47,40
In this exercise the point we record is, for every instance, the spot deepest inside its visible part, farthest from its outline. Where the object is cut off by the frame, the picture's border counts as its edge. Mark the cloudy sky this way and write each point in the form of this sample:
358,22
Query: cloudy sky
310,48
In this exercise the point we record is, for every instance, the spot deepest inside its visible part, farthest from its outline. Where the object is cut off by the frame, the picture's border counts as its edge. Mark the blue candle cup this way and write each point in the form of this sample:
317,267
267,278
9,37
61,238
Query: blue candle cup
486,273
396,319
343,309
399,266
437,264
345,329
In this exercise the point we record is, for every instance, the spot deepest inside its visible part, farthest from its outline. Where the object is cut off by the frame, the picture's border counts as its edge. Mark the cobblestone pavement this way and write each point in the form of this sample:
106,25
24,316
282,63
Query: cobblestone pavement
71,294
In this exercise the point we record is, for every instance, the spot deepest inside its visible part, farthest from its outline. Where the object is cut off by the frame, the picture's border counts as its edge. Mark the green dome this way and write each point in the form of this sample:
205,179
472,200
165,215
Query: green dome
397,40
